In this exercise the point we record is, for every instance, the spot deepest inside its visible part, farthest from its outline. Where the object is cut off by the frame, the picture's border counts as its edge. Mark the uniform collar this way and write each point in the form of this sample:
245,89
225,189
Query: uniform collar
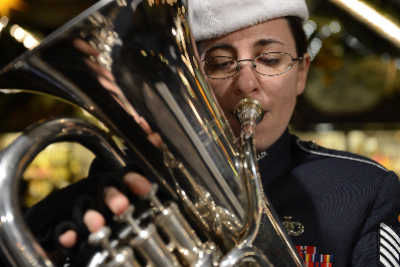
278,159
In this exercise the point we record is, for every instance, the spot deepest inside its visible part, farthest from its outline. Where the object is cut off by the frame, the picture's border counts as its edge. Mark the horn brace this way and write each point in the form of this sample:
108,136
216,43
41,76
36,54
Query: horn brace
132,64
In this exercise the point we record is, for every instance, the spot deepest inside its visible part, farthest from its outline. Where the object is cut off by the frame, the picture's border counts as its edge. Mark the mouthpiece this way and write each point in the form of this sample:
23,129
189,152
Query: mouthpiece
249,112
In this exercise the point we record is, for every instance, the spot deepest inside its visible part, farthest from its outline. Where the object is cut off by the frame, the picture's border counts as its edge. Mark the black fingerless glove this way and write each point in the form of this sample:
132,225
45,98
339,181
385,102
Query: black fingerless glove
64,209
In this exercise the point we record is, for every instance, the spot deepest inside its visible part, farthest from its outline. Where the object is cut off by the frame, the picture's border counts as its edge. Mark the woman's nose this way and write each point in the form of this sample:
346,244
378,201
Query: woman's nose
246,80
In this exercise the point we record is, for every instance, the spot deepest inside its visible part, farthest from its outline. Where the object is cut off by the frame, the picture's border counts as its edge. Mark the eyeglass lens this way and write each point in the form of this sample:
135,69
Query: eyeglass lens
273,63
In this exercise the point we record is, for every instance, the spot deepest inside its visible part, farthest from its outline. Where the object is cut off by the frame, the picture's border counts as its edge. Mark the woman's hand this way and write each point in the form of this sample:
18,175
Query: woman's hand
116,202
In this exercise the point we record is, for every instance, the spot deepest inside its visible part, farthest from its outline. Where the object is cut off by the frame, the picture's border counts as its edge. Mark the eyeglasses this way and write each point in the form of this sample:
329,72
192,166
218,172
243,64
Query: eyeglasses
269,64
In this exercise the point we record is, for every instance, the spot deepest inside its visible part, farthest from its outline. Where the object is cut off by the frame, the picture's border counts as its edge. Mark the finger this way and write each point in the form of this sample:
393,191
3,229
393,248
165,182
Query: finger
99,70
143,123
84,47
115,200
155,139
93,220
68,239
138,184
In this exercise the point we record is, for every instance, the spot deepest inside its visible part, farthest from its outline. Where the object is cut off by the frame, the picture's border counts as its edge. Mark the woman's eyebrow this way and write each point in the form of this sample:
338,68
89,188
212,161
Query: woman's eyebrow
220,46
265,42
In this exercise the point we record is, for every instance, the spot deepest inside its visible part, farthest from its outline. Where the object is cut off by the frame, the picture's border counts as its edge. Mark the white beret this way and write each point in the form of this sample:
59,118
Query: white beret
214,18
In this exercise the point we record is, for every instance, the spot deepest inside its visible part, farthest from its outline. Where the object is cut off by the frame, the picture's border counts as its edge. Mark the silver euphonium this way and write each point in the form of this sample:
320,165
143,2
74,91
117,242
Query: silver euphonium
132,64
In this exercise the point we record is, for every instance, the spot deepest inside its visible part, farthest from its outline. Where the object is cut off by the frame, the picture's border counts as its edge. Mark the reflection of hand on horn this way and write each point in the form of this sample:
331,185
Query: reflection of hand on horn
104,76
107,80
91,61
114,199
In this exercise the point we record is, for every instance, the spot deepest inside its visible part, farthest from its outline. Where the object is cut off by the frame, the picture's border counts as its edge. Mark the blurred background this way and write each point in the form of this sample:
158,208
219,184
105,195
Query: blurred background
352,101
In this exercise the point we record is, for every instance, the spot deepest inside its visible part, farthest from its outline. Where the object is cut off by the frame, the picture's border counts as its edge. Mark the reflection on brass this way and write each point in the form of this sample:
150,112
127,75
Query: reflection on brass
103,38
160,2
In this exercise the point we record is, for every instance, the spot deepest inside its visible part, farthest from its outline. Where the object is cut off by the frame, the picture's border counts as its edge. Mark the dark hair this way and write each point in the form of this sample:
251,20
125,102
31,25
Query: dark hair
296,26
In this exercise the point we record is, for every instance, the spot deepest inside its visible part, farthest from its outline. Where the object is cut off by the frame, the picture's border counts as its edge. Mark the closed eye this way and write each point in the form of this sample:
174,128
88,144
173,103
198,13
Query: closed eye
269,60
220,63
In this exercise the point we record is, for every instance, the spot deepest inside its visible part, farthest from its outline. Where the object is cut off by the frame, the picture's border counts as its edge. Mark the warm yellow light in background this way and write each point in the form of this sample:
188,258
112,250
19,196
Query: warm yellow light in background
23,36
30,42
17,32
3,23
7,5
370,16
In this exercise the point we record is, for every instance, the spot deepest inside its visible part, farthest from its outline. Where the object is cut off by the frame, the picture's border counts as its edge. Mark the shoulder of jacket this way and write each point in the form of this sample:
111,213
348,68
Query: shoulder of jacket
312,148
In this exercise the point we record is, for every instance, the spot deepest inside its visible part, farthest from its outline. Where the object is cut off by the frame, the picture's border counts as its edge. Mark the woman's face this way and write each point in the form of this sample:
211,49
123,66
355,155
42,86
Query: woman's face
277,94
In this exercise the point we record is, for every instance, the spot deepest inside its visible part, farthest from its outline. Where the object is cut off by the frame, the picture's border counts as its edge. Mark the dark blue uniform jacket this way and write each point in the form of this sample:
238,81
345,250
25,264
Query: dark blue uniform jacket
344,208
348,205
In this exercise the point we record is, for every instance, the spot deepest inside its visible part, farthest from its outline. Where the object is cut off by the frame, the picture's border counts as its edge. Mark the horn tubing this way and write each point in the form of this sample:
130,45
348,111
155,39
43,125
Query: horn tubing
17,241
245,254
